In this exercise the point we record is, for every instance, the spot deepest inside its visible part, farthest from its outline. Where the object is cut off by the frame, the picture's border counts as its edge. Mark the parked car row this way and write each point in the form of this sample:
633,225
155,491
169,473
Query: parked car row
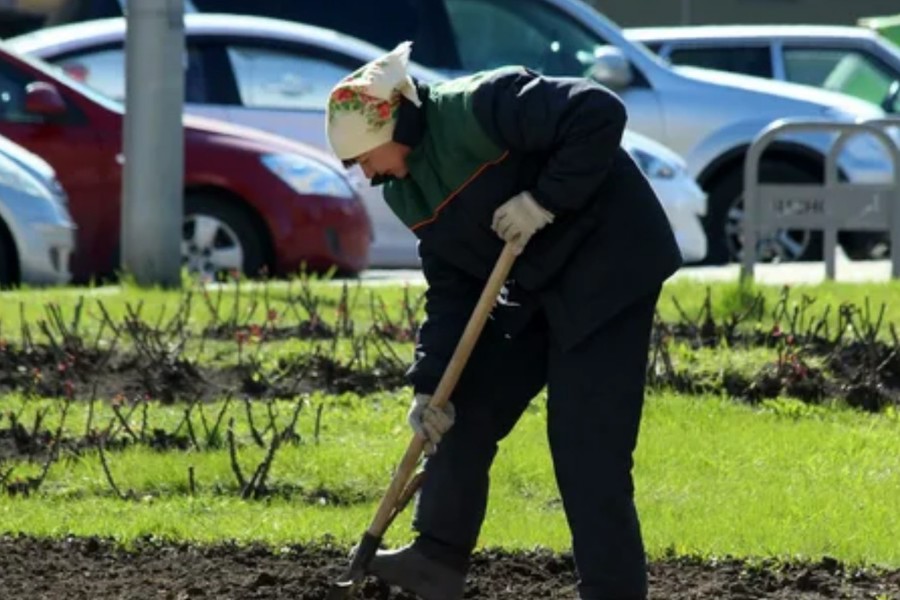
708,118
259,200
275,75
251,199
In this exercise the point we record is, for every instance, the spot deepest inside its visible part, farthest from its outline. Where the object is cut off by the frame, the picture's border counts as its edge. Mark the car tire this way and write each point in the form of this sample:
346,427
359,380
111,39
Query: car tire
7,256
865,245
725,210
215,229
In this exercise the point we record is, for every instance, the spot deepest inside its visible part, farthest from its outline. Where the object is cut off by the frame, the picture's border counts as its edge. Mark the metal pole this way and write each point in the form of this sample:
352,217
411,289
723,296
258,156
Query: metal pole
832,184
752,208
893,148
153,142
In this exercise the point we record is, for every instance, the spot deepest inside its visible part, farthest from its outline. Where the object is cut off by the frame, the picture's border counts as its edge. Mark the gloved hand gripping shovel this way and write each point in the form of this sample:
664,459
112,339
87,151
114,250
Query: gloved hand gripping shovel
401,488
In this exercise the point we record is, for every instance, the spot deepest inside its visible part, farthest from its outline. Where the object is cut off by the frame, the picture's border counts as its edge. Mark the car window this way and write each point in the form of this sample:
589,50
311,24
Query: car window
754,61
280,78
104,71
12,98
841,70
384,24
494,33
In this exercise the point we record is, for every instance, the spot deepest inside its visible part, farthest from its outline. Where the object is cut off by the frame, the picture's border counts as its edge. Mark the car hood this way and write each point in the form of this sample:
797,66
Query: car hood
28,160
259,140
802,94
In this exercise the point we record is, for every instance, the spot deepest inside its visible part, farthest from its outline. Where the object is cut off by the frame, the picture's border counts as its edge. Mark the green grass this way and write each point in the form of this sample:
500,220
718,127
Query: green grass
252,299
713,478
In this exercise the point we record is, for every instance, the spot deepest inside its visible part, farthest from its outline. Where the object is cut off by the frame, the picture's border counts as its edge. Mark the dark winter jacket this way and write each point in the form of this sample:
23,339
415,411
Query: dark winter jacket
479,140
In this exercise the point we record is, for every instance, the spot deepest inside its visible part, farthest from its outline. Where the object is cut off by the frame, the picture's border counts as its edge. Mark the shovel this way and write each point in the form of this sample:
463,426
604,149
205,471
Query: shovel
403,484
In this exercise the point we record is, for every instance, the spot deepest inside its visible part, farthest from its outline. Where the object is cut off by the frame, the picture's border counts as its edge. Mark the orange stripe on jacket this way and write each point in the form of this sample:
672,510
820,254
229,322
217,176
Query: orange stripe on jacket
457,191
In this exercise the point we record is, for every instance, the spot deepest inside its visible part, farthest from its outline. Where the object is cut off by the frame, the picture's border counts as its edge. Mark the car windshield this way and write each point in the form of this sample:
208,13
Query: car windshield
539,34
59,75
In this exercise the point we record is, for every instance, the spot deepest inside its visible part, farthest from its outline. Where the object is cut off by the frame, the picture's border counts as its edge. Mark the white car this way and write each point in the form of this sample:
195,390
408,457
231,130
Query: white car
276,75
683,200
850,60
37,234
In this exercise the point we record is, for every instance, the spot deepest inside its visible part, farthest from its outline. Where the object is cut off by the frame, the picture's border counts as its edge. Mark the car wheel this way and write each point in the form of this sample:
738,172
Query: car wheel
218,239
725,216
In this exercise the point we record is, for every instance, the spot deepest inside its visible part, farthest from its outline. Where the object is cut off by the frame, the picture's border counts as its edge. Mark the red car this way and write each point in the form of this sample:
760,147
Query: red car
252,200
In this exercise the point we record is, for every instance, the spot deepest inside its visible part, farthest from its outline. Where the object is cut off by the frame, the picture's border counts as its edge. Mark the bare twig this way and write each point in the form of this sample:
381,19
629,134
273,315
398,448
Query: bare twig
318,427
190,426
27,342
144,421
192,484
38,419
159,319
90,415
213,439
106,318
253,431
53,455
270,410
290,432
684,316
203,420
232,452
124,422
109,477
257,484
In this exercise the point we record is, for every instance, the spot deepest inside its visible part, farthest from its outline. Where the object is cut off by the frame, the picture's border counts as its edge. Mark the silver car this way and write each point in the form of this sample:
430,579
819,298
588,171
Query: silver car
276,75
37,234
849,60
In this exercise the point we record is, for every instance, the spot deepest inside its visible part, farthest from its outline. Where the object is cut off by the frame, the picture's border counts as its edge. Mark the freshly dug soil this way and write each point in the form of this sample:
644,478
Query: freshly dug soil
41,372
89,568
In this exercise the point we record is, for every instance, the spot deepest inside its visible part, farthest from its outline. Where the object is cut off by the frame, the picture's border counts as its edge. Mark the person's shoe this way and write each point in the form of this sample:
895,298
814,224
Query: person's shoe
411,570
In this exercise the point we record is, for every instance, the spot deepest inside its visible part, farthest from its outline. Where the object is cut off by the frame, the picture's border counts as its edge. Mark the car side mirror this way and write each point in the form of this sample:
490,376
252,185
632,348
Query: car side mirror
889,104
43,99
611,68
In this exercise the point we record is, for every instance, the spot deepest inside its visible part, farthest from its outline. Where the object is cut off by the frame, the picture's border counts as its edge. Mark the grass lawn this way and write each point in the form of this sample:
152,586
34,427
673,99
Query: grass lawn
713,478
246,303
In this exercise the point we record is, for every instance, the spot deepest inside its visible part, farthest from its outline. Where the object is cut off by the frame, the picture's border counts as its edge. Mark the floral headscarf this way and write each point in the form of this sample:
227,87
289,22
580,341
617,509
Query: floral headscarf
362,108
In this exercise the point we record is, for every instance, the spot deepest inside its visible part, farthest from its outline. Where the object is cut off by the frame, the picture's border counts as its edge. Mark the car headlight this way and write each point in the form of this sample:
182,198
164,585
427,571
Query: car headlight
653,166
306,176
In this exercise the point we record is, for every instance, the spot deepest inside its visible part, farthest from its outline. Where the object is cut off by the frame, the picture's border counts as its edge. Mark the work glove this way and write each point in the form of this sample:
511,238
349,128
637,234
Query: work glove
519,218
429,422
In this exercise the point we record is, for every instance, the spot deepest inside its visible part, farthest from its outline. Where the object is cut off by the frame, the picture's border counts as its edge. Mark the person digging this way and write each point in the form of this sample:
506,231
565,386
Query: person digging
472,163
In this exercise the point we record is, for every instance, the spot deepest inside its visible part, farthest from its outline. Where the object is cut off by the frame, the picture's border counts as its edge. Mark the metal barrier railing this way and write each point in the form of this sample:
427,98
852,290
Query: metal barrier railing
828,207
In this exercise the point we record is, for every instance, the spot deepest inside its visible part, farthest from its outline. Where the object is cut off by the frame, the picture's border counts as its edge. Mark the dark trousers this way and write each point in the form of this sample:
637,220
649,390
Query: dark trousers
595,398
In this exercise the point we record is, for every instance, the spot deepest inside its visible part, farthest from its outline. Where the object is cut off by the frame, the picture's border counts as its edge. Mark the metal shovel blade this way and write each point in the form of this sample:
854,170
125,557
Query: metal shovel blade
365,551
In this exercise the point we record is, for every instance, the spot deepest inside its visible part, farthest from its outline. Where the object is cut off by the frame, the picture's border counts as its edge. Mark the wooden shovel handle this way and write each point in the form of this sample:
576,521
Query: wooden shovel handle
446,385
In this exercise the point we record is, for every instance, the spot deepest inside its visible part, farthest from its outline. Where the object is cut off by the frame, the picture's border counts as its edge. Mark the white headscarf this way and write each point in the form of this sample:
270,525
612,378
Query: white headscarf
362,108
